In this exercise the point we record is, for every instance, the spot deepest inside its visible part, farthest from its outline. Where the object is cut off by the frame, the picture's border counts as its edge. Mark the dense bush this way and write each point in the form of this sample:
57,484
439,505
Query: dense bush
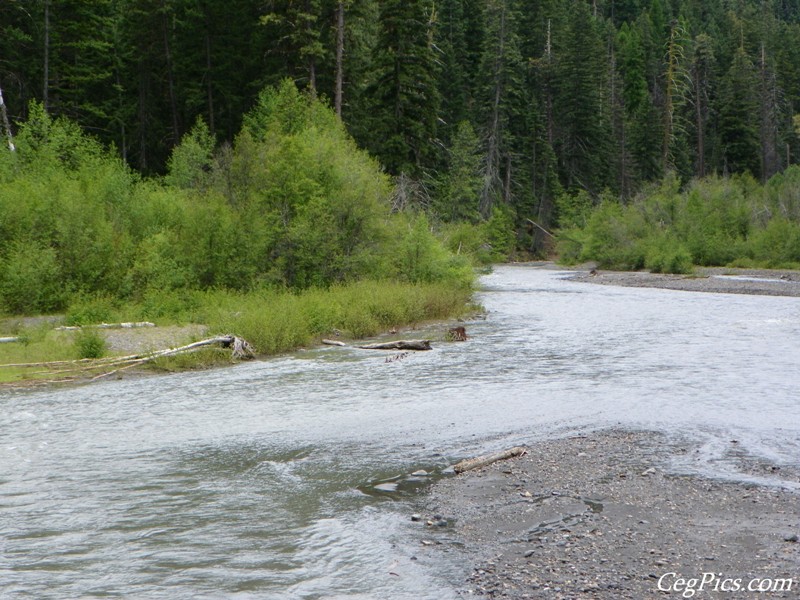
714,221
292,204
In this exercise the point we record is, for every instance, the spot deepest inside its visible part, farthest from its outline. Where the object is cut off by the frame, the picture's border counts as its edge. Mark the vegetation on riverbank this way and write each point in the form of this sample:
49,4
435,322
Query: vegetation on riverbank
711,222
280,238
272,321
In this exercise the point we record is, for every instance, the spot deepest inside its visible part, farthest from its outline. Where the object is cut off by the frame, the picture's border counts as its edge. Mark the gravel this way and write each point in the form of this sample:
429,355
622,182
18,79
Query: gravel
600,516
704,279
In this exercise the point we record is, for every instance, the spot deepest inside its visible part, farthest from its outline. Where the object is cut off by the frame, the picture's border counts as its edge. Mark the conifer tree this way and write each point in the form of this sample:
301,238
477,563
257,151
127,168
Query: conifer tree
738,121
583,142
407,101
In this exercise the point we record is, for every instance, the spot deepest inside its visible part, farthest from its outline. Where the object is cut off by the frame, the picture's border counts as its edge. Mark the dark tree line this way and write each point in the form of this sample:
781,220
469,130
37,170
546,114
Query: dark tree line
481,105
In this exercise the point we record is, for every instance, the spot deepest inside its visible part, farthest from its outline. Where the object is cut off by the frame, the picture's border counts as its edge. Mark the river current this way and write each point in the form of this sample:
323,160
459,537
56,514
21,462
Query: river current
290,478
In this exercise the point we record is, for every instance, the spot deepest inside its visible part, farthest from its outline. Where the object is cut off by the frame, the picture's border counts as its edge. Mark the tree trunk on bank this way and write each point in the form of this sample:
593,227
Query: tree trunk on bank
5,123
337,98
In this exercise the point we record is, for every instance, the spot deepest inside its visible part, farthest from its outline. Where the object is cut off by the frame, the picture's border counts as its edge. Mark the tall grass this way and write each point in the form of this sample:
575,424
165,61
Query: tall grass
280,321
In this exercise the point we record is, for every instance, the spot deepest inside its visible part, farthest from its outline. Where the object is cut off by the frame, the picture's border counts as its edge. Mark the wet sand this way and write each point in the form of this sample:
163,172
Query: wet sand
600,516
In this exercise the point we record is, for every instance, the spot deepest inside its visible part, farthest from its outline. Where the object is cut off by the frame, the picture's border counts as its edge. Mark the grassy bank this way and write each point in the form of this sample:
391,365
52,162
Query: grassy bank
272,321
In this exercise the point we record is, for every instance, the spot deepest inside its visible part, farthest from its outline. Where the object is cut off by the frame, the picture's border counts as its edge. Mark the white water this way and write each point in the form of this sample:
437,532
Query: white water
258,481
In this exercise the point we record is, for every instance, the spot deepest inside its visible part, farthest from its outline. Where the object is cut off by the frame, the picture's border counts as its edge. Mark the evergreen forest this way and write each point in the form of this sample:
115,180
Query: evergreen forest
166,144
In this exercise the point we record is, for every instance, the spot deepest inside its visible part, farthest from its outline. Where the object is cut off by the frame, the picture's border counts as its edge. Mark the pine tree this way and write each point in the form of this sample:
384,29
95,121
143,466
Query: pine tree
407,101
738,121
701,69
582,142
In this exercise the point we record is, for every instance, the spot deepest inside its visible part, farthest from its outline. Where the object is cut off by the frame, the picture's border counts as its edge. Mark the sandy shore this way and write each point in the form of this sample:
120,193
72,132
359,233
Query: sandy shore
599,516
705,279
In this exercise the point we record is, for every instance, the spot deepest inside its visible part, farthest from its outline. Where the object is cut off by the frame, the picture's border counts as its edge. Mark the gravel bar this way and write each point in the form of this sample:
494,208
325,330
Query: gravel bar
600,516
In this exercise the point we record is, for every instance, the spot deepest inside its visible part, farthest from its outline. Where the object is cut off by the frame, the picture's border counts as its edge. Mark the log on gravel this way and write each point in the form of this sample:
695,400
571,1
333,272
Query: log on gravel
399,345
487,459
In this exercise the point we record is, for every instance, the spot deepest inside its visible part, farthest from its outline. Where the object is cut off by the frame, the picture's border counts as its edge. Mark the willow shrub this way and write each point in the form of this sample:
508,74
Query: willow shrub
715,221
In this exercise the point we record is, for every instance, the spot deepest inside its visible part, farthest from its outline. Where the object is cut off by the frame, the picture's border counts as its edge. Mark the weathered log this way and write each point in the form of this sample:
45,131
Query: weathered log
107,326
399,345
8,340
487,459
334,343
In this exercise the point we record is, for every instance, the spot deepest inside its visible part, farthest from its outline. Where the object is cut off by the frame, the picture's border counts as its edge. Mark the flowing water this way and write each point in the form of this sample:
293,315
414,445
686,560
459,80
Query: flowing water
289,478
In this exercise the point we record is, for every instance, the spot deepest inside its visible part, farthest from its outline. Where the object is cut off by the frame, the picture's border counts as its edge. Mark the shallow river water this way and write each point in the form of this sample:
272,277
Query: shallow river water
259,481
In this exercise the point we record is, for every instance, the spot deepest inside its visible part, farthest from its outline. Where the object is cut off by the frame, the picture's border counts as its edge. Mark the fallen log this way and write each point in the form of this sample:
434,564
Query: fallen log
399,345
8,340
487,459
240,350
136,325
334,343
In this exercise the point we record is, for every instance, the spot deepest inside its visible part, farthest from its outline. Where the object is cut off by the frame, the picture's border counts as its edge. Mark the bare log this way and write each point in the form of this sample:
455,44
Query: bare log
108,326
399,345
334,343
487,459
8,340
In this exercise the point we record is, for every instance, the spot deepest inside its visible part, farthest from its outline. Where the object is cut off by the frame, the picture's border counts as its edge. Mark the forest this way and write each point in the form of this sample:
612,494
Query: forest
207,144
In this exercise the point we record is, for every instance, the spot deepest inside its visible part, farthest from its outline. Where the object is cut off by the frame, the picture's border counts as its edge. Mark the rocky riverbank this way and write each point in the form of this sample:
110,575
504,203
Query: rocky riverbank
600,516
705,279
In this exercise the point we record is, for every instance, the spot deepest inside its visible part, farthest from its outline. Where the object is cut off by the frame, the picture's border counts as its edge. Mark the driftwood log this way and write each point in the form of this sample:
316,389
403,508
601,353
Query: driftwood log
487,459
399,345
107,326
83,368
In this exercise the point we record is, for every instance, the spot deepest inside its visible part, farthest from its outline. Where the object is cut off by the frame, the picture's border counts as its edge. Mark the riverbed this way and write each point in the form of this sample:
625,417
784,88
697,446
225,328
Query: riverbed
292,477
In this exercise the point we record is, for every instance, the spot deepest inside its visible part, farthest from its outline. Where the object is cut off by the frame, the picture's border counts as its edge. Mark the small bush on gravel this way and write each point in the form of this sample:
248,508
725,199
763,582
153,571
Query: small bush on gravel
90,344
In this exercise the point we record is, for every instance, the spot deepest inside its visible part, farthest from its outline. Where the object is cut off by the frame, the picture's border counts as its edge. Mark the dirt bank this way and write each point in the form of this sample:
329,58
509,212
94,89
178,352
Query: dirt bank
599,516
705,279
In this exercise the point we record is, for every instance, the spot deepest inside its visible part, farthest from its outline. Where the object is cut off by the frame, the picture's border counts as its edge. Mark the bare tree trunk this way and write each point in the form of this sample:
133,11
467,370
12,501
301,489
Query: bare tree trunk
46,78
491,176
337,101
209,87
173,101
700,126
4,121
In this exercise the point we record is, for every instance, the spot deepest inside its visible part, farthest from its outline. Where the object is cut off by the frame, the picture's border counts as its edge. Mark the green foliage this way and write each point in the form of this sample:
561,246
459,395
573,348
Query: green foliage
276,322
613,238
499,233
468,240
191,159
666,254
30,279
714,221
421,258
777,245
89,343
457,192
92,309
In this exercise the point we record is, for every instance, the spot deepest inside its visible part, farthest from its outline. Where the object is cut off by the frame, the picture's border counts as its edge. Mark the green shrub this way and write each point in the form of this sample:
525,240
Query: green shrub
777,244
30,280
666,254
614,238
91,309
89,343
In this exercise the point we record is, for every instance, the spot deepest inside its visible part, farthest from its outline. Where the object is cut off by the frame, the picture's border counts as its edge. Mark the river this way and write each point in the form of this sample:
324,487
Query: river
290,478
